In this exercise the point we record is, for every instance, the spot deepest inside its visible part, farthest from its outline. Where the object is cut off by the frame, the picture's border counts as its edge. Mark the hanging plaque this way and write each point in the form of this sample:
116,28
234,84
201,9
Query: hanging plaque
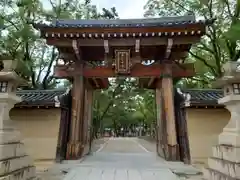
122,61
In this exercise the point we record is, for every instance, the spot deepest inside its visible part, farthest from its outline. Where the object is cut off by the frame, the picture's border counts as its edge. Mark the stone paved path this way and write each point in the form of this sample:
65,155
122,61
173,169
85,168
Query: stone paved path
122,159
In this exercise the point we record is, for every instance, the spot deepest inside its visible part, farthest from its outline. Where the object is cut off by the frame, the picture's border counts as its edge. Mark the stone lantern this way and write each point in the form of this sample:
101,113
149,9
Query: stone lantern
14,162
225,162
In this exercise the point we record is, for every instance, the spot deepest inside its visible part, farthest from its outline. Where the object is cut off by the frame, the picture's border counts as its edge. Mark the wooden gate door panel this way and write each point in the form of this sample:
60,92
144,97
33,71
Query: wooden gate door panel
162,143
181,128
64,127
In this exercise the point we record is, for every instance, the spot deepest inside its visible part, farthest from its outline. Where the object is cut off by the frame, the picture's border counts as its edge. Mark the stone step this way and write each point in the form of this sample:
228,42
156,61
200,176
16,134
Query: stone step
21,174
211,174
11,150
227,152
9,136
6,123
11,165
225,167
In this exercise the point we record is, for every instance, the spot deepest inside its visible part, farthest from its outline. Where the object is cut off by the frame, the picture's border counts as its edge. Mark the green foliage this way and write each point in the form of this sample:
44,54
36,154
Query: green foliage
123,105
20,41
221,41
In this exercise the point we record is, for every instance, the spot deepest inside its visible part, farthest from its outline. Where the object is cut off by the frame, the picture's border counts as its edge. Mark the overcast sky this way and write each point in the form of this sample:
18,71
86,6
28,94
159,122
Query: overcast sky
125,8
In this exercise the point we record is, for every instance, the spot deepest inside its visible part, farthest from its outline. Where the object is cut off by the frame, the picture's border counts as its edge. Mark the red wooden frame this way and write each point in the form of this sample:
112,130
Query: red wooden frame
138,70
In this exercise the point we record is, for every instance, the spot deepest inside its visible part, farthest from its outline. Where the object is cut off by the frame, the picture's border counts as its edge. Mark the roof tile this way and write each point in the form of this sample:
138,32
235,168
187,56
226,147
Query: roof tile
111,23
39,97
206,97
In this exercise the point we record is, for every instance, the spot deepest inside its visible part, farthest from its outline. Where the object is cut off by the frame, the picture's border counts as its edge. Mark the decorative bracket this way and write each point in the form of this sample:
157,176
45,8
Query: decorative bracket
76,49
168,49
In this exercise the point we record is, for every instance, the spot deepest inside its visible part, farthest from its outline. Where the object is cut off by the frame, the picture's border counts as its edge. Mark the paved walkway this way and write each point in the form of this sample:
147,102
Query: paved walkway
122,159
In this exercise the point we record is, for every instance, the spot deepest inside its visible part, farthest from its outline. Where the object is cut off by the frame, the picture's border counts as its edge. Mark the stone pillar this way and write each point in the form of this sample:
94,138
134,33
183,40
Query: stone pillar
225,161
15,163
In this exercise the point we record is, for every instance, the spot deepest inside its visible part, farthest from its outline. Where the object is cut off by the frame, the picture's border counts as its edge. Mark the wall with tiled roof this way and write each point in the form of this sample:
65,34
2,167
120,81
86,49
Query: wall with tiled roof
206,97
39,97
199,97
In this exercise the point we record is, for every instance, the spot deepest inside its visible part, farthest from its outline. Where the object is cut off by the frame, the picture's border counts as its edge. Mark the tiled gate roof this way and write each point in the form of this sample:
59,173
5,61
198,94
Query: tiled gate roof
123,23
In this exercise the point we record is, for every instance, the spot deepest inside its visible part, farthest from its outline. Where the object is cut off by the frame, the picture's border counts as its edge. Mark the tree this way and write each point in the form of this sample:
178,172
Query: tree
123,105
221,42
21,41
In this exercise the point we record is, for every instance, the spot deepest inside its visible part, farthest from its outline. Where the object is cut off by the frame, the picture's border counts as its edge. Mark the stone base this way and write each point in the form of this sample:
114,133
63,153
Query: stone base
14,162
26,173
12,136
211,174
224,164
74,150
229,138
228,153
172,153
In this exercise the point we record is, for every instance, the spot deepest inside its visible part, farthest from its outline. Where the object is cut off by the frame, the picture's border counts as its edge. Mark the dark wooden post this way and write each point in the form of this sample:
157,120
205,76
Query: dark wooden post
88,119
86,125
90,110
167,94
158,97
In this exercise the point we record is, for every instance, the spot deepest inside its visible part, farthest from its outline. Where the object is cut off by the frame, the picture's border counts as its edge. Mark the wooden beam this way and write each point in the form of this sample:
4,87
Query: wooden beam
96,83
150,81
137,46
150,41
105,83
104,30
138,70
76,49
106,47
169,48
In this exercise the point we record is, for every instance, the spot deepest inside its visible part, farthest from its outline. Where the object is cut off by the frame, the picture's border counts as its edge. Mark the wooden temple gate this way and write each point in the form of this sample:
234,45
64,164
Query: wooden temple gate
90,51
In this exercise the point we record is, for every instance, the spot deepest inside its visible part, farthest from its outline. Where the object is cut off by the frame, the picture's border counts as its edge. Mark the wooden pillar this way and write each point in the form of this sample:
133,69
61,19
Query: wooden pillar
74,149
168,103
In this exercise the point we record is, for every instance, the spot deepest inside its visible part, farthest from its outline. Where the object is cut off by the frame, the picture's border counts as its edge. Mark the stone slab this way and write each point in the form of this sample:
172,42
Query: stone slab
22,174
124,159
229,138
6,123
11,150
9,136
226,167
210,174
229,153
11,165
91,173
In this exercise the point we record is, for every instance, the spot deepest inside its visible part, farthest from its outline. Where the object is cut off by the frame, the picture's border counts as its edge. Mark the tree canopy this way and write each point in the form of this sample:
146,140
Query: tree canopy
221,42
20,41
